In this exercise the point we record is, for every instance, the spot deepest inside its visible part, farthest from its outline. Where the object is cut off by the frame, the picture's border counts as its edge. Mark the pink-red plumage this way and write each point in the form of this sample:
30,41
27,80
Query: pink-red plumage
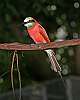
38,34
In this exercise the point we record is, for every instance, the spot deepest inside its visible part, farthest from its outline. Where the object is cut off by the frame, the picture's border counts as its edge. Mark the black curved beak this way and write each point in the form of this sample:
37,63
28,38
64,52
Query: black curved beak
22,25
27,22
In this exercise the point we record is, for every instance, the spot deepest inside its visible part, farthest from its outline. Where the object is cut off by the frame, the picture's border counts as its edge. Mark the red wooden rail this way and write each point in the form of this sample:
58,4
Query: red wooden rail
42,46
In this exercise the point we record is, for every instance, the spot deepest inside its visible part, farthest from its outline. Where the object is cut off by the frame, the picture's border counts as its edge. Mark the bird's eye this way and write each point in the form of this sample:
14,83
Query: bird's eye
32,21
29,21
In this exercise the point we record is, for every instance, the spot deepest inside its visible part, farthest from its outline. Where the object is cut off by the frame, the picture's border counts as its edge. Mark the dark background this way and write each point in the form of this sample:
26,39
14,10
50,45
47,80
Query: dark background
60,18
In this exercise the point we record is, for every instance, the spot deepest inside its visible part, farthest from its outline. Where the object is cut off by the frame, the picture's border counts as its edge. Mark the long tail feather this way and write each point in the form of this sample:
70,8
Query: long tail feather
54,64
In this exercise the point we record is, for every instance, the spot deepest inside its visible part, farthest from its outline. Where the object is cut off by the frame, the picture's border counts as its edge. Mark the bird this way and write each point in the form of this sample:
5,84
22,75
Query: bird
39,35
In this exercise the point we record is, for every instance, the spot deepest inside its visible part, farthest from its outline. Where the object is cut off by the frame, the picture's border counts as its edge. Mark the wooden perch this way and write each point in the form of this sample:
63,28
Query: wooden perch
42,46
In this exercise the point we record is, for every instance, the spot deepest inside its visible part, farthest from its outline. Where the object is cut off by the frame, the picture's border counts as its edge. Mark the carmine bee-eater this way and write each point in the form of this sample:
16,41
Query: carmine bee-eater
39,35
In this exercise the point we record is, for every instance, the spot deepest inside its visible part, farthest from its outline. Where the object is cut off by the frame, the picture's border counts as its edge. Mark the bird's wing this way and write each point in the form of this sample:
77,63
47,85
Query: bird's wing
43,33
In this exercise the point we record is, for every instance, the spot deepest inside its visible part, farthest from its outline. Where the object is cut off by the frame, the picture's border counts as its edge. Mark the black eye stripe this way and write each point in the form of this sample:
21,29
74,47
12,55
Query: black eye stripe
29,21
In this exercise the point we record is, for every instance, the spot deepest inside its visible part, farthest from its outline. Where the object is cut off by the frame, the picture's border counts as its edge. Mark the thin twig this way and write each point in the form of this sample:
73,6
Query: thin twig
12,66
15,55
3,74
42,46
19,76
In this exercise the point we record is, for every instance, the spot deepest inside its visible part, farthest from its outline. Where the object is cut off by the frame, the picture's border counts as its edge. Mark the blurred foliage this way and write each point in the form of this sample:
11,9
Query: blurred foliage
52,14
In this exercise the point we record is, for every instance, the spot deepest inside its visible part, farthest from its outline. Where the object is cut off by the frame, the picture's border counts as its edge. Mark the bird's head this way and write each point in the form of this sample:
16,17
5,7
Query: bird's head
29,22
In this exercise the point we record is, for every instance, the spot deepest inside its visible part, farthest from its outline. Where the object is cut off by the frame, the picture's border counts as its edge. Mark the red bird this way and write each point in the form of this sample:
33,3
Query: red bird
39,35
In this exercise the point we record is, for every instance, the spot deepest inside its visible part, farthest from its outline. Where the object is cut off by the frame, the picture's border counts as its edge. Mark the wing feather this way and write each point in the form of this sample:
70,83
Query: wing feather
43,33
